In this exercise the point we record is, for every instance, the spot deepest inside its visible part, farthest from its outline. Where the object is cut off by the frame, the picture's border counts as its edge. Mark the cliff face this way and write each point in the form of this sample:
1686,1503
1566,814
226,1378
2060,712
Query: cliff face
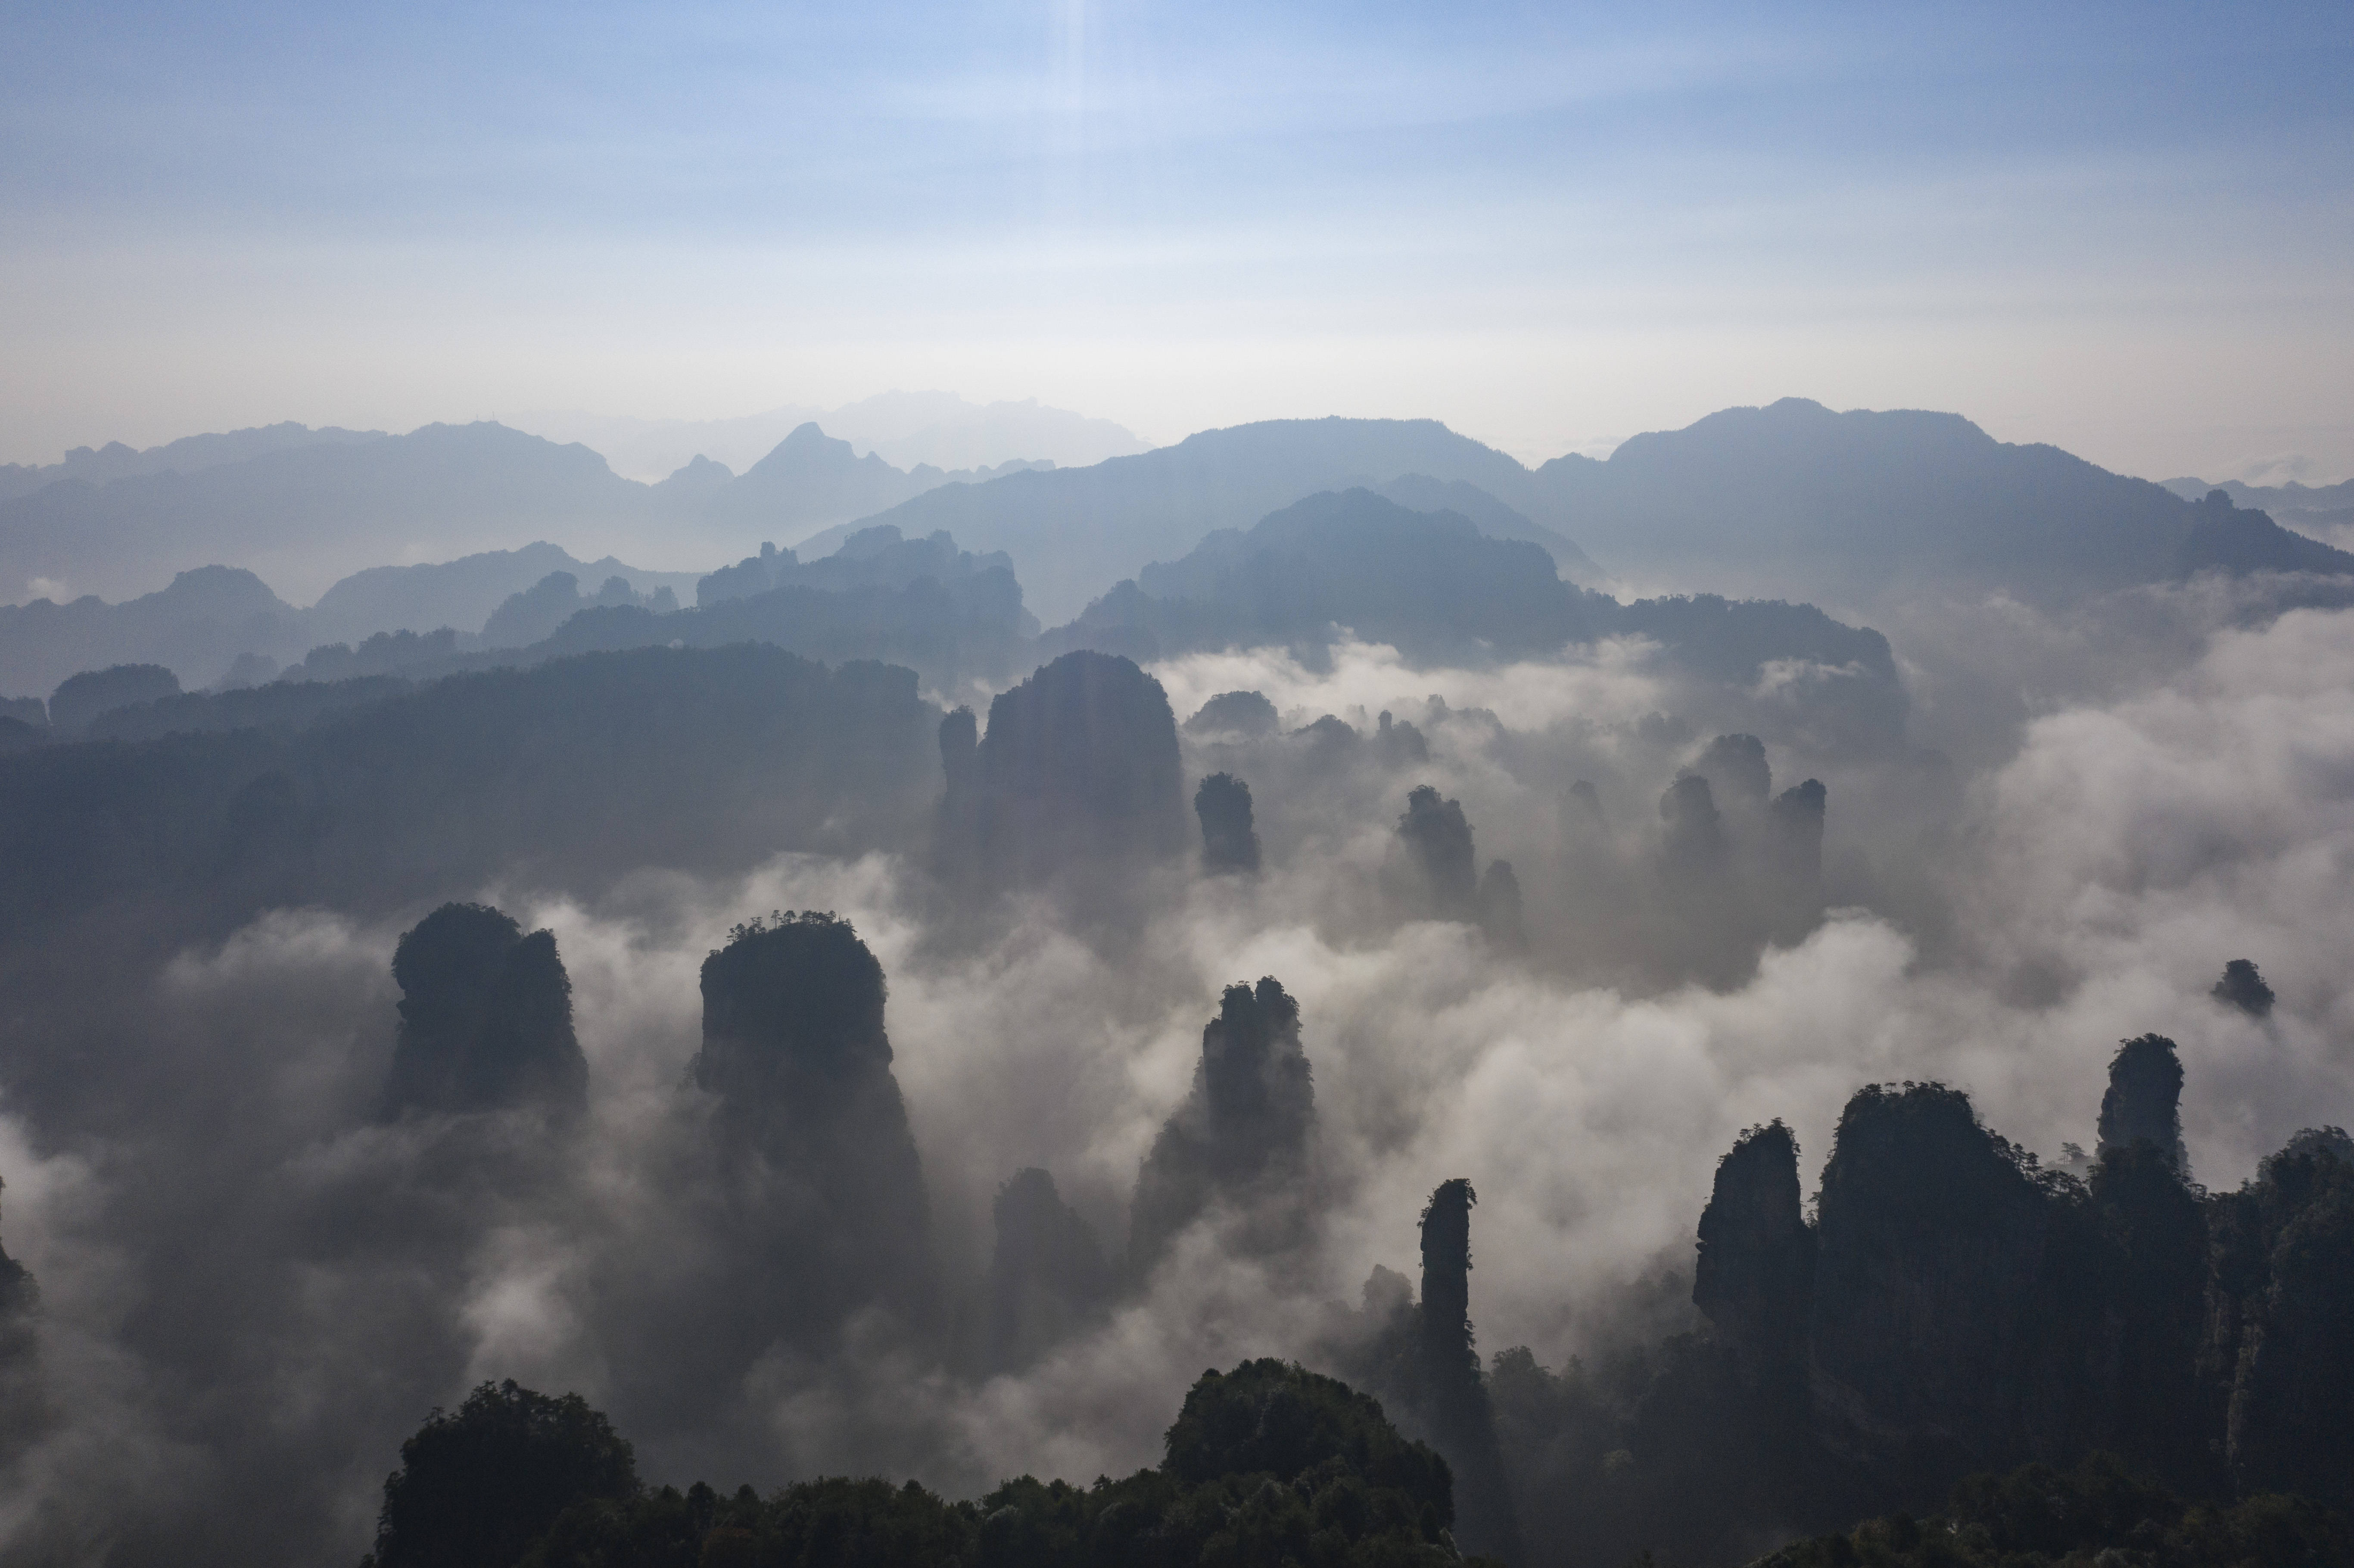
1954,1307
1240,1140
1742,866
1792,879
2280,1307
485,1018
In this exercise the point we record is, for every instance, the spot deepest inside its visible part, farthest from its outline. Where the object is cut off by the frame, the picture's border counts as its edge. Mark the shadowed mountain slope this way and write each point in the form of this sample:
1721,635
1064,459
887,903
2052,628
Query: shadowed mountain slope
1432,586
1420,493
196,627
578,769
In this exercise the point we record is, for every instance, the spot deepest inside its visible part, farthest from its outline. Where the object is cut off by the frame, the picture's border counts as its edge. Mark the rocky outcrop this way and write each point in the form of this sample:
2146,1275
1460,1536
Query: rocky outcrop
1791,879
1741,866
1928,1303
2280,1304
1229,842
1501,912
1734,764
485,1018
1078,772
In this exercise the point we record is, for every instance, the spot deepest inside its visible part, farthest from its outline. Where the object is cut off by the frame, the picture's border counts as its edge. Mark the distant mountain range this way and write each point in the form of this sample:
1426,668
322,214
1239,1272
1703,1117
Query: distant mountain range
1859,510
907,430
2325,512
188,455
1856,511
304,508
1430,583
1073,533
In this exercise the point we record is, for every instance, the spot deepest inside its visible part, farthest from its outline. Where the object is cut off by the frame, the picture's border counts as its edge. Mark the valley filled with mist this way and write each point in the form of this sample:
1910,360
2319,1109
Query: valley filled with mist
1732,988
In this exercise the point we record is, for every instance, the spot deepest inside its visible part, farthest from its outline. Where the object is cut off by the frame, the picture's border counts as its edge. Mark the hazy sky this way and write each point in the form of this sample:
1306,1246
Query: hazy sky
2125,229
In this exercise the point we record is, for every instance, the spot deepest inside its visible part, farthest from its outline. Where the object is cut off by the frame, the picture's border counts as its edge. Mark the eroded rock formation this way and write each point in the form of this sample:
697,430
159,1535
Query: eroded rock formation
485,1018
1240,1142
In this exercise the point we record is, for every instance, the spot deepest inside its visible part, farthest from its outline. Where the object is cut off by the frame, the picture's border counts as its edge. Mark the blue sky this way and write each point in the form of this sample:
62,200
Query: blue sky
2123,230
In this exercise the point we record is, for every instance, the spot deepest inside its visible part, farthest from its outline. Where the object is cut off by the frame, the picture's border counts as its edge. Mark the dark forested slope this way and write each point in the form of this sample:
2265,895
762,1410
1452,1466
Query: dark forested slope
577,769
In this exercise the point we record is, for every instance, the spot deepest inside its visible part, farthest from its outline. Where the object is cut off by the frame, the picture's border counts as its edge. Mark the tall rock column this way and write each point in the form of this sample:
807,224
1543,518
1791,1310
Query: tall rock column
1241,1139
1442,871
2144,1102
1755,1272
828,1189
1462,1423
1229,842
1047,1276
